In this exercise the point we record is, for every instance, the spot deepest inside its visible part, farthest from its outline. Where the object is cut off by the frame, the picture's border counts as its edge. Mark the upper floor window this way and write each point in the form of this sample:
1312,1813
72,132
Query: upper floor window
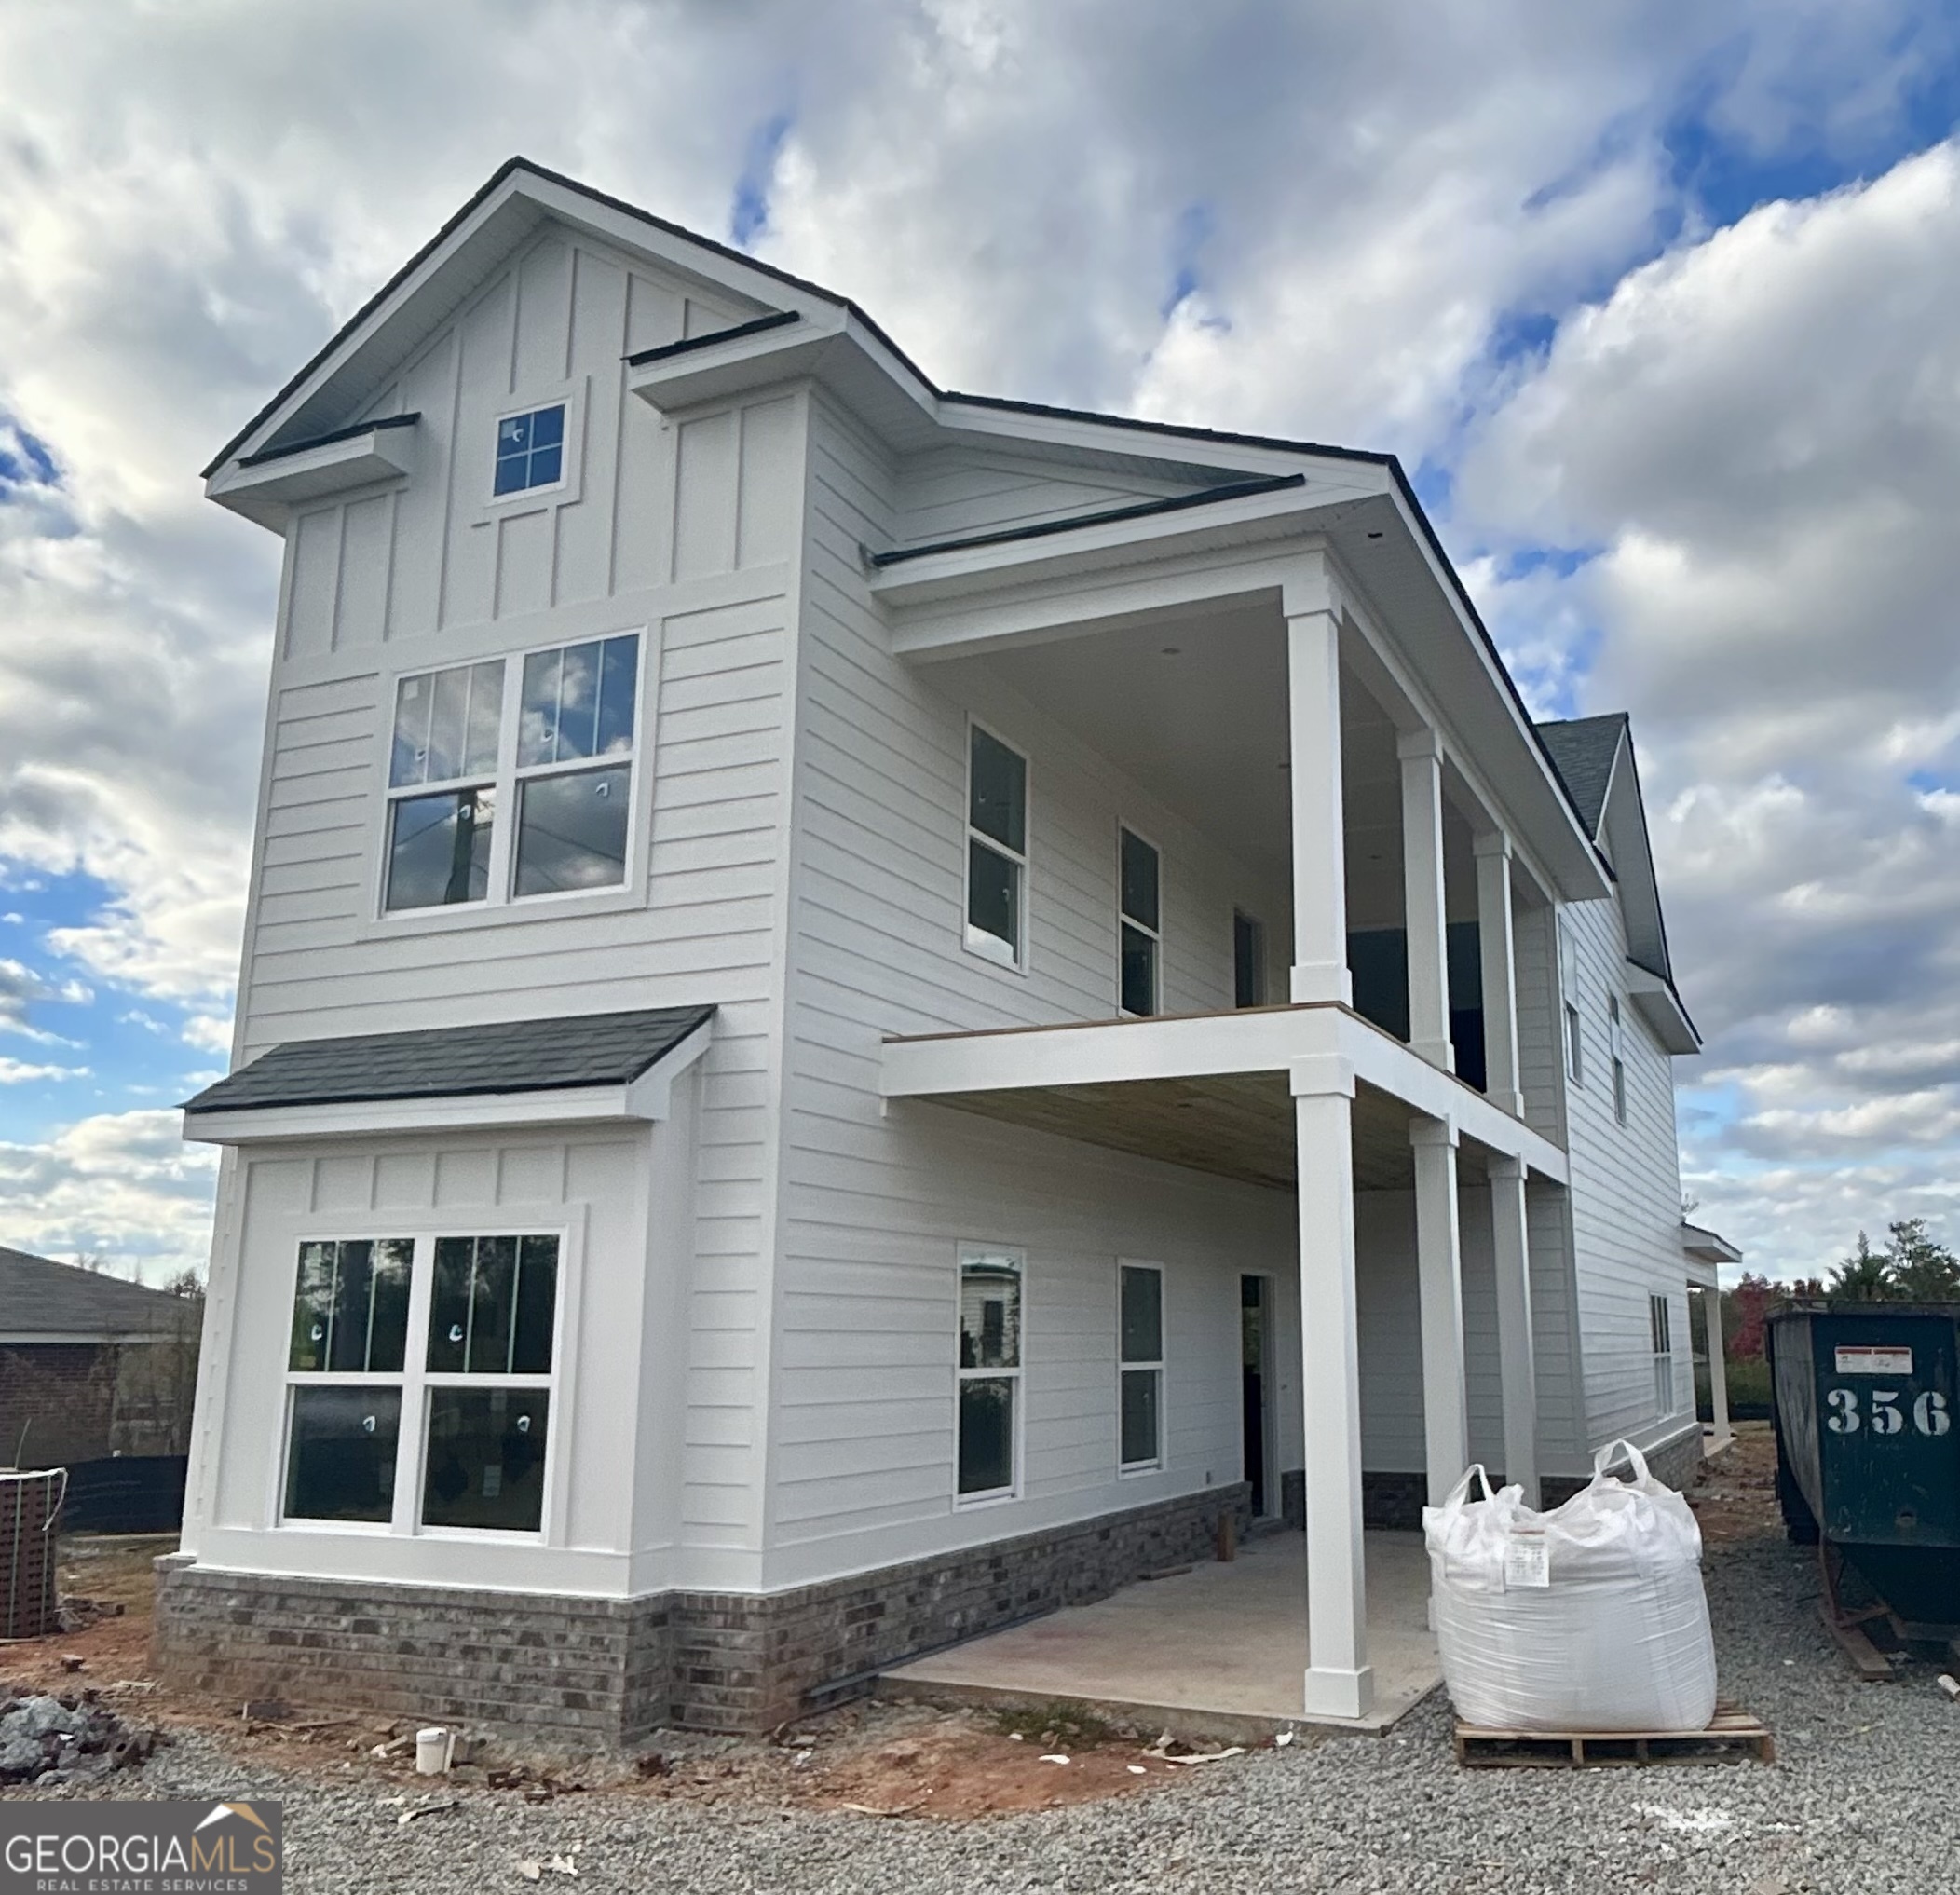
551,738
1569,1004
1616,1049
1136,875
995,849
530,450
1249,960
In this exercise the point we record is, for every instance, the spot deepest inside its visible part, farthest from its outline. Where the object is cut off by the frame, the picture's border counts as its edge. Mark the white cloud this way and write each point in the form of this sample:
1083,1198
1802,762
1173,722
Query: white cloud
20,1072
123,1185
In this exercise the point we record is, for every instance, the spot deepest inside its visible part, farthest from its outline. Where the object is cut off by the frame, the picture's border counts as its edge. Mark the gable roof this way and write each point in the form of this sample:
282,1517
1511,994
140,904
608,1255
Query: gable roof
457,1062
41,1298
1584,751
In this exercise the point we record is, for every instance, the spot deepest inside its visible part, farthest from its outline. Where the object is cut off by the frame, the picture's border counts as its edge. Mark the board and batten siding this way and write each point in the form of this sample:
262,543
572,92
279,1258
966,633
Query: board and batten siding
876,1204
1626,1198
686,528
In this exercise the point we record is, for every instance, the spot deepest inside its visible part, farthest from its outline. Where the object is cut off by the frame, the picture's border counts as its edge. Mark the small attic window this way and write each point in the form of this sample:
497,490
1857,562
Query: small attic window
530,450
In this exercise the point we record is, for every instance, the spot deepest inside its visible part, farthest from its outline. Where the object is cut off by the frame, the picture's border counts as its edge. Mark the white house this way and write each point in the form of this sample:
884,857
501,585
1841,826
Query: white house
862,1006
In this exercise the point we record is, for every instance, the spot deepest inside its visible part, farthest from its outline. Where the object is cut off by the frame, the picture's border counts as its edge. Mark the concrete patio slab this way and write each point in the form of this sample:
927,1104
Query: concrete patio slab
1219,1651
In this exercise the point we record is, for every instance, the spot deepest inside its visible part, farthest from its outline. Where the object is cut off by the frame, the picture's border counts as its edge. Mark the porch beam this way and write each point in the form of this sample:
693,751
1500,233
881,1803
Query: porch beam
1518,1368
1422,897
1339,1681
1498,957
1313,605
1446,1412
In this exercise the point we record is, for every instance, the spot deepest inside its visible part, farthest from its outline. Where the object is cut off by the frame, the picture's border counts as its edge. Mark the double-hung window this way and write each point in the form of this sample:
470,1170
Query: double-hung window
420,1374
990,1373
1140,1374
1137,931
1569,1003
996,849
1616,1047
550,740
1660,1319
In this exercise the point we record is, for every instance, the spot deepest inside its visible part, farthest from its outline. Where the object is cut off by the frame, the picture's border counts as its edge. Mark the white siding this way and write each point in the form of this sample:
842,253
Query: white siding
953,492
1626,1197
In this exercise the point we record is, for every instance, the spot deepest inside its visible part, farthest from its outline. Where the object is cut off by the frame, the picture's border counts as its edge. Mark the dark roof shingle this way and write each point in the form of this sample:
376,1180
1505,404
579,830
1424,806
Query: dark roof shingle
1582,749
39,1297
449,1062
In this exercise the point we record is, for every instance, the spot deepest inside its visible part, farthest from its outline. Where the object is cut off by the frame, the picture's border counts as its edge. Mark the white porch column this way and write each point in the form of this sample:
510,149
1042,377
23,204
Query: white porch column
1499,957
1516,1363
1421,756
1338,1683
1718,1362
1446,1413
1312,608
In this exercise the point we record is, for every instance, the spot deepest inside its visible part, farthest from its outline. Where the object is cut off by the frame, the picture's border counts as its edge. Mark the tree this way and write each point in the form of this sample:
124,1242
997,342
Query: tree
1749,1307
1918,1268
1864,1276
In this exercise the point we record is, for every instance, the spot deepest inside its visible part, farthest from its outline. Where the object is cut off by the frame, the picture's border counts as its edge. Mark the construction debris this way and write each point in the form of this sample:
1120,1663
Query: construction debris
46,1741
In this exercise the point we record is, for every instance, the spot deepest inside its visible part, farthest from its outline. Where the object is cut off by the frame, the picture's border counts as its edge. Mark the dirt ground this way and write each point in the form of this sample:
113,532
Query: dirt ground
882,1759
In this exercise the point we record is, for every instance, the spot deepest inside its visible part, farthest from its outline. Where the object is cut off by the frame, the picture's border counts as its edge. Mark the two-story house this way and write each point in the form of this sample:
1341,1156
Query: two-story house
862,1006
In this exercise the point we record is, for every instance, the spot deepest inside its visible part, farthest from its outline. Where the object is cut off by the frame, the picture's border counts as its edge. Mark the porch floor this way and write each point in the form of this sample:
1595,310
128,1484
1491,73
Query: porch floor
1219,1651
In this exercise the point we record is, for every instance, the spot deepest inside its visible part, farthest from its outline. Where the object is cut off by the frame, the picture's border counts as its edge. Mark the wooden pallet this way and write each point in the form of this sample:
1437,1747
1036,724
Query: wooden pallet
1731,1737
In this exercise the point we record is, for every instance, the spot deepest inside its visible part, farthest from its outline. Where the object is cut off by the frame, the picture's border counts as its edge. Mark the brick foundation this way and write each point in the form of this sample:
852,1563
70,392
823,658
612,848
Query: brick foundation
600,1672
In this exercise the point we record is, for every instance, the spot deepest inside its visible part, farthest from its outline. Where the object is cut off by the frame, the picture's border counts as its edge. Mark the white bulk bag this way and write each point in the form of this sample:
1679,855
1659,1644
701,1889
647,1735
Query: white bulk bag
1589,1618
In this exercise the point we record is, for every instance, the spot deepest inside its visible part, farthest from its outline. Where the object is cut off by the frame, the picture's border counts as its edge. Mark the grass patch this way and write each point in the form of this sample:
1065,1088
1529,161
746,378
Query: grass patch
1056,1727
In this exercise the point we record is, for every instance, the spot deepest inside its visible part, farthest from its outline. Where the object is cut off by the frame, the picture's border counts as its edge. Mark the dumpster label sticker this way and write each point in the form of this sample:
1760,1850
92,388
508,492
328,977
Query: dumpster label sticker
1528,1561
1866,1359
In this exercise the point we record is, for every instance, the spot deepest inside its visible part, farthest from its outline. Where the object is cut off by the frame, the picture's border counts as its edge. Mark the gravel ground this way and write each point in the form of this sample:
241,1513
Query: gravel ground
1866,1797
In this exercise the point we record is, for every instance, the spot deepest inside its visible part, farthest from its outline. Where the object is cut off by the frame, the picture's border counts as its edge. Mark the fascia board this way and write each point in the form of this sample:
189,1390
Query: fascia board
996,427
268,493
962,571
716,372
651,1094
360,1118
1661,1008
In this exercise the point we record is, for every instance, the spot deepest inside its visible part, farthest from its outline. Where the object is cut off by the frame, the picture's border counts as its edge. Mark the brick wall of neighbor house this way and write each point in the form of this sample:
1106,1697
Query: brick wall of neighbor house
599,1671
56,1402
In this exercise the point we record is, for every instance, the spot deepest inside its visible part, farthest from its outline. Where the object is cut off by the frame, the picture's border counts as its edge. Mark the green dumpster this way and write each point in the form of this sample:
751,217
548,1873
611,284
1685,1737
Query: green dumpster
1867,1405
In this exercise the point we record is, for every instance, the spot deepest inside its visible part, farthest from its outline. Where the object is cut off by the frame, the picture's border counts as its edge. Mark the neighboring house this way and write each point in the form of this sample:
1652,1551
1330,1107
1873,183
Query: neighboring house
90,1365
864,1006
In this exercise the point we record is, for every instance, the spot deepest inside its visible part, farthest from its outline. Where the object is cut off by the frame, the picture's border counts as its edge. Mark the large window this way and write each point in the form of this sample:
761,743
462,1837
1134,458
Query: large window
1140,1390
549,742
448,1434
996,849
1660,1318
990,1373
1138,933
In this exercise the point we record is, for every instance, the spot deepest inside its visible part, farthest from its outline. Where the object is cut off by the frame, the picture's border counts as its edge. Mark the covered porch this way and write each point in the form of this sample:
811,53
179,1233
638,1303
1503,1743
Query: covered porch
1315,1100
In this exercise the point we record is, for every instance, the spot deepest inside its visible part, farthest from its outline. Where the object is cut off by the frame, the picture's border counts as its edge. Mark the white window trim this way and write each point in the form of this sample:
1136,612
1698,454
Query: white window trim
415,1379
500,904
1123,919
562,492
977,941
994,1496
1155,1465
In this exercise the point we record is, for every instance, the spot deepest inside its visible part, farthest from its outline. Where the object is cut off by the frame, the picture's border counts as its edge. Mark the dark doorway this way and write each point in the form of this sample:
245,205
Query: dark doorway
1253,1316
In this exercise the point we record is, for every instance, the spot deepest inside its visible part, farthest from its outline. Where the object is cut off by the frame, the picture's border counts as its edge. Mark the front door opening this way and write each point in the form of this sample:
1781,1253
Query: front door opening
1253,1339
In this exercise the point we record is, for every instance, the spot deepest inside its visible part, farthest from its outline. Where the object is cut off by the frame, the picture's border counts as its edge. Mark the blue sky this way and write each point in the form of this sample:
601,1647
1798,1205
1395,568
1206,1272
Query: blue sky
1652,302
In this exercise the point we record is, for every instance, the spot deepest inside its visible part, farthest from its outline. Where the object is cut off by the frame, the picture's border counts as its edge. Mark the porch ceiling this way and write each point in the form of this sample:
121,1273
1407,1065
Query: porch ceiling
1237,1126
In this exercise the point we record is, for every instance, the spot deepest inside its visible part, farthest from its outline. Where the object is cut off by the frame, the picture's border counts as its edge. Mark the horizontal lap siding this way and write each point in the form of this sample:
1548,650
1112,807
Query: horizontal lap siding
1626,1195
876,1203
949,494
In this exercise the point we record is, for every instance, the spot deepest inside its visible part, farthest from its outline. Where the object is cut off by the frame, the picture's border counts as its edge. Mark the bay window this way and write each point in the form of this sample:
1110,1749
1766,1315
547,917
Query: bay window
420,1374
507,780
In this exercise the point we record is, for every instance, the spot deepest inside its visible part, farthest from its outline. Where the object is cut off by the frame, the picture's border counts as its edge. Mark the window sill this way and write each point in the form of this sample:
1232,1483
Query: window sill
465,917
976,1502
994,951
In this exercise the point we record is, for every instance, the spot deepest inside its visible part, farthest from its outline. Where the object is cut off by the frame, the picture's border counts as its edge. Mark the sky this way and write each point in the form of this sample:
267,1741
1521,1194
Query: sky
1654,301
